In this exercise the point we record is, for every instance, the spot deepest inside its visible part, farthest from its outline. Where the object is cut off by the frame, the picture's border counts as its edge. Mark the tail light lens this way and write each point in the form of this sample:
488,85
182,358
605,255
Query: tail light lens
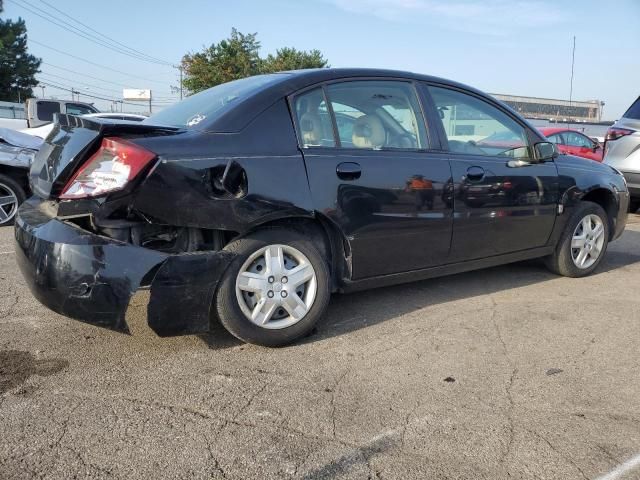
115,164
616,133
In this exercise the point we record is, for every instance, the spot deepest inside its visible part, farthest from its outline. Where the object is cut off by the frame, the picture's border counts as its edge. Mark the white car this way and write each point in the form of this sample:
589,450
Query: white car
17,151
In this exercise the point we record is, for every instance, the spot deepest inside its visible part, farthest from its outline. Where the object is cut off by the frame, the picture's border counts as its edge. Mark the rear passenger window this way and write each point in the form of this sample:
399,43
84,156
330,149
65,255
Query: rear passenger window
314,123
377,115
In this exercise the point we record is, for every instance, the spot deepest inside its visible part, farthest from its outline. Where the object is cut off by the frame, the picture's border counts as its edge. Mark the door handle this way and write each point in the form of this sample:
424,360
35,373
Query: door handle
475,173
348,170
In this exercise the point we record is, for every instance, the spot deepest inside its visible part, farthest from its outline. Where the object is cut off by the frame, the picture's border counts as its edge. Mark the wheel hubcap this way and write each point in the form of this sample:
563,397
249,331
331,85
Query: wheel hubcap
276,287
8,203
587,242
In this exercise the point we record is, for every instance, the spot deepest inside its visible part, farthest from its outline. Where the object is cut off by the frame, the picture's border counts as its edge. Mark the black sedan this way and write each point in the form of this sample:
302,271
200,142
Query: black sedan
253,201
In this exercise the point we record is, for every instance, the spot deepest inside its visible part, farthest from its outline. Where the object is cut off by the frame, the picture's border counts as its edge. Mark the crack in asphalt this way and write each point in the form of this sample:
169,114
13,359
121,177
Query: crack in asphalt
89,465
250,401
509,386
332,401
558,452
216,463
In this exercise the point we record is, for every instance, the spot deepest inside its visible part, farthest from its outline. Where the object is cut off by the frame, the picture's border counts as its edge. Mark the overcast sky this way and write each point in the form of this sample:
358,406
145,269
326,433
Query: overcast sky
520,47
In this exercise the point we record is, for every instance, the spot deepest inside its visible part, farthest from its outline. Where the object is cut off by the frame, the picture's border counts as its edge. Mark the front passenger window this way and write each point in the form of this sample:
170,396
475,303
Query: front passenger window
475,127
577,140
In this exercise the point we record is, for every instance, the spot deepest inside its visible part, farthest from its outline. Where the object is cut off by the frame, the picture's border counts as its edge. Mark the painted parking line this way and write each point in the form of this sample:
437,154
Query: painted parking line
622,469
6,253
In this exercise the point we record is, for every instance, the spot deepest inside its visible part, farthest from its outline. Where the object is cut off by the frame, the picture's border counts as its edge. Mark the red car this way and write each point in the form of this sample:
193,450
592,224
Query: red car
573,142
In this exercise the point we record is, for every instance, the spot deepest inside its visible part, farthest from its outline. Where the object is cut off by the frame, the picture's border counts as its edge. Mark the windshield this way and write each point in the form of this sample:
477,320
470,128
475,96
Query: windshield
212,103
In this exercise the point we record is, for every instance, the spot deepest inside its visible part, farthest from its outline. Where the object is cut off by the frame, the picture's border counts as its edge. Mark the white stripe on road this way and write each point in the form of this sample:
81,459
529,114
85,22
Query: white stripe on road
6,253
620,470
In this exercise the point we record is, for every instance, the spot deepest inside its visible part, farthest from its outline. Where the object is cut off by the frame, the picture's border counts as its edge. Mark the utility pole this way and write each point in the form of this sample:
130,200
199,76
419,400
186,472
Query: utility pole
150,95
573,61
42,87
180,67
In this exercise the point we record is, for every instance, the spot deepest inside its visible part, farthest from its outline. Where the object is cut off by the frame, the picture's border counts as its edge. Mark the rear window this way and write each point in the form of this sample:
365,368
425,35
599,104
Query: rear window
634,110
205,107
46,110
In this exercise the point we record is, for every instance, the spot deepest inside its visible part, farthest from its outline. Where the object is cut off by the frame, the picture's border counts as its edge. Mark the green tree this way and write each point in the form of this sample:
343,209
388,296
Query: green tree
239,57
18,68
231,59
292,59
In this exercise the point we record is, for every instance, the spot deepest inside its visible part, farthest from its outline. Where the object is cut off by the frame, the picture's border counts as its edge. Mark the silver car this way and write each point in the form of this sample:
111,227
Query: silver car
622,150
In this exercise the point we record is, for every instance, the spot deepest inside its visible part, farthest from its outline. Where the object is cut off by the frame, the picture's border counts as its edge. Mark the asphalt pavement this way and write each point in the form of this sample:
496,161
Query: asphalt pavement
505,373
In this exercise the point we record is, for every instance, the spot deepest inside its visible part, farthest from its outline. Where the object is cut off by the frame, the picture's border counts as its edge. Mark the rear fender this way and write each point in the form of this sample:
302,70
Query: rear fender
225,193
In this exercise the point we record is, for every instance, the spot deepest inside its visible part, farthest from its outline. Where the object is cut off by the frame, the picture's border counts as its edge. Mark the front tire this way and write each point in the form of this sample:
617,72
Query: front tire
11,196
634,205
275,290
583,242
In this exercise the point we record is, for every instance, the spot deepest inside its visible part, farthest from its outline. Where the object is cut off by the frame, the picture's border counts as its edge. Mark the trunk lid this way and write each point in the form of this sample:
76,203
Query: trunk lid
72,141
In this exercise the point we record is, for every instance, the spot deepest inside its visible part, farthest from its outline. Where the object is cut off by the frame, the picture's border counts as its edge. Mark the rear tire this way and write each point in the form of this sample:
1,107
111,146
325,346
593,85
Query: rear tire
634,205
14,194
583,242
262,282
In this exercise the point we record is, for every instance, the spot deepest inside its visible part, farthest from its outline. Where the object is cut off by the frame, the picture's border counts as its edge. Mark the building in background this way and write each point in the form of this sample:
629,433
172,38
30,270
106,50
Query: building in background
589,111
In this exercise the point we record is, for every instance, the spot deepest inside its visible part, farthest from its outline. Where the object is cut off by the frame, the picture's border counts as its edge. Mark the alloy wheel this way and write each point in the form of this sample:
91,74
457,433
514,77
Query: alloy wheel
276,286
8,204
587,241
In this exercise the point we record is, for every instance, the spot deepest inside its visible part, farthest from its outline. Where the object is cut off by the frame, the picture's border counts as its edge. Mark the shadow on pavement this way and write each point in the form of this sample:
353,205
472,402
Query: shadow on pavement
347,313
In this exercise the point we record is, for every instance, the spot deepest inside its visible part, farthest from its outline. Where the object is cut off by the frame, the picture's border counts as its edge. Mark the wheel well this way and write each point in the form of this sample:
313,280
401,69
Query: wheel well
20,175
327,237
607,201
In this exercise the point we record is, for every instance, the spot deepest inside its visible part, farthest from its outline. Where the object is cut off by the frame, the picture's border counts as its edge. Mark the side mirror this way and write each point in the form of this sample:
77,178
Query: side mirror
596,145
546,151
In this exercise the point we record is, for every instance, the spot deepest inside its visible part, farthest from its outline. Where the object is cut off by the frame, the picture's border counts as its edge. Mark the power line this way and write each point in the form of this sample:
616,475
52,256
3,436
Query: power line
111,91
78,82
121,85
105,36
49,17
72,91
95,64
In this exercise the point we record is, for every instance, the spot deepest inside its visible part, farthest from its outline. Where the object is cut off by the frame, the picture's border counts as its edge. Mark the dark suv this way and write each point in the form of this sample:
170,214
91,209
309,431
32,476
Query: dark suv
253,201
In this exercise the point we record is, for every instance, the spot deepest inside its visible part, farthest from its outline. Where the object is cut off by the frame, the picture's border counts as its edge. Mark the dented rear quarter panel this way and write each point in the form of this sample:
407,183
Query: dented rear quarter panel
181,189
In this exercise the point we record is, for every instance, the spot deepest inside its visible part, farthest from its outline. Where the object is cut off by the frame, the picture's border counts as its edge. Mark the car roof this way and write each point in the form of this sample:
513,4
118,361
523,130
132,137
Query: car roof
288,82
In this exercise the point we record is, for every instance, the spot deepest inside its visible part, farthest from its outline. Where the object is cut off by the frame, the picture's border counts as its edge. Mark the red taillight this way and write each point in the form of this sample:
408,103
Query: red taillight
116,163
615,133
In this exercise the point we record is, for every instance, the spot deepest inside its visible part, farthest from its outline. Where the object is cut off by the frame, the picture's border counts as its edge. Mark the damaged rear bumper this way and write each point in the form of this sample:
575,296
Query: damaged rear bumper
92,278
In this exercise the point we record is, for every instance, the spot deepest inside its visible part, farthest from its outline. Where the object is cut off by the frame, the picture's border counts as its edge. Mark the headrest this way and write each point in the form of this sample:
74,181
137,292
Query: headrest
311,128
368,132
